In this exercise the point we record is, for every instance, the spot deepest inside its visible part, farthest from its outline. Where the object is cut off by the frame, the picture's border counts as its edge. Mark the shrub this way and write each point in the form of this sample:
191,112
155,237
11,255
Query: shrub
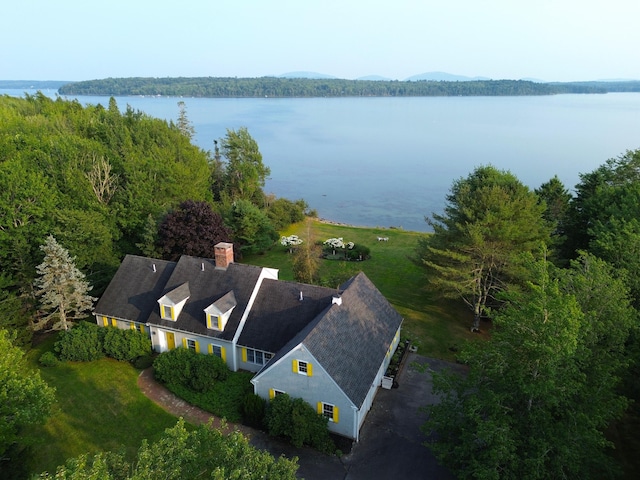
125,345
297,421
143,361
82,343
253,408
48,359
358,252
186,368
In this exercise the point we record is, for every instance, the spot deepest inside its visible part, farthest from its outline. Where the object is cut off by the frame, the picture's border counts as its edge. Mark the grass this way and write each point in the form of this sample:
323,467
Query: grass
435,326
99,407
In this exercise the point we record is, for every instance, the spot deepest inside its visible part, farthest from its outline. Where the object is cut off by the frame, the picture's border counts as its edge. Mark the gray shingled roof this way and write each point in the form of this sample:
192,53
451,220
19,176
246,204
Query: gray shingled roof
135,289
208,285
278,314
351,340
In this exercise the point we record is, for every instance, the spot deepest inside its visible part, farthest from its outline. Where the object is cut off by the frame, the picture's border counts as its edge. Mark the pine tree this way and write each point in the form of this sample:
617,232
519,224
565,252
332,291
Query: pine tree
62,288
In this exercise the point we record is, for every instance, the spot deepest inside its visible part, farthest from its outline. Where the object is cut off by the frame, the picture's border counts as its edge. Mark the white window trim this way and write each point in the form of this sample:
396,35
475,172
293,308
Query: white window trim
304,372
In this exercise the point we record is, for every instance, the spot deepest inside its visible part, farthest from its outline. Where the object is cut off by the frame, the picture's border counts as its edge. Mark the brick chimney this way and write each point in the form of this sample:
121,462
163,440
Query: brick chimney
224,255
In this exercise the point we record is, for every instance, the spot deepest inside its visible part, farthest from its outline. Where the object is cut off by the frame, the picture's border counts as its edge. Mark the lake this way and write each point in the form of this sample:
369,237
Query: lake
388,162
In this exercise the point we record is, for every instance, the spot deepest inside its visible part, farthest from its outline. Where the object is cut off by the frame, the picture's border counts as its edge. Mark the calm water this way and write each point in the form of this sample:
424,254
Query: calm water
391,161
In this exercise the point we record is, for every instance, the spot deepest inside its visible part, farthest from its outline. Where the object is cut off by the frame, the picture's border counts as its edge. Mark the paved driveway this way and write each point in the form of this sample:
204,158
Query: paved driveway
390,444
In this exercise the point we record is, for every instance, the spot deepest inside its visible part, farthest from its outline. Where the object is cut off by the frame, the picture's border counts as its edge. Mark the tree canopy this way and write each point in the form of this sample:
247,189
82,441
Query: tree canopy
180,453
192,229
540,393
489,219
334,87
25,398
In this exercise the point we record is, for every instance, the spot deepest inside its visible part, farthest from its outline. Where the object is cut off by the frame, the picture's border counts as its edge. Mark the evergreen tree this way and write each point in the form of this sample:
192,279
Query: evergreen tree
61,287
490,219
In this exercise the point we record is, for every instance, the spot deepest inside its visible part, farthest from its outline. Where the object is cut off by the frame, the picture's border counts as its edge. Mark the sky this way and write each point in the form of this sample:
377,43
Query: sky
550,40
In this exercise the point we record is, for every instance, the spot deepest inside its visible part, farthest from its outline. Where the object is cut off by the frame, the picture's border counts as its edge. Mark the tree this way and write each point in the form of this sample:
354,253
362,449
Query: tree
252,229
306,259
192,229
611,190
184,125
556,199
62,288
25,398
245,174
530,406
205,452
490,218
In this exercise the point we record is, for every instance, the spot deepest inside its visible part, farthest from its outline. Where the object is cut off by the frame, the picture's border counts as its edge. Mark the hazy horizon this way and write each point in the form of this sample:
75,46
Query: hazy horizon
551,40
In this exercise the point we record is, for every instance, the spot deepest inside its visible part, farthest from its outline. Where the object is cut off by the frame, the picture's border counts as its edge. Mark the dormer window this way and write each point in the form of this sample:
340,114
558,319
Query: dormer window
172,302
167,312
218,313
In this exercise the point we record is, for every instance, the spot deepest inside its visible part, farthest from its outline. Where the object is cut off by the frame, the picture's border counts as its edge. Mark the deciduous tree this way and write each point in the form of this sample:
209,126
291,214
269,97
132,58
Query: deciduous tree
540,393
205,452
245,173
25,398
61,287
192,229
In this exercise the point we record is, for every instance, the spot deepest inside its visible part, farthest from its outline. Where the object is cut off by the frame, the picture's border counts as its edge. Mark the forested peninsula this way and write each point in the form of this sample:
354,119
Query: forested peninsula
231,87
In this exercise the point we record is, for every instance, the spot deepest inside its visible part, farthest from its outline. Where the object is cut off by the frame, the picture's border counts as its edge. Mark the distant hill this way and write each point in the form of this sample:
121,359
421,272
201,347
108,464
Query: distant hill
313,75
375,78
443,77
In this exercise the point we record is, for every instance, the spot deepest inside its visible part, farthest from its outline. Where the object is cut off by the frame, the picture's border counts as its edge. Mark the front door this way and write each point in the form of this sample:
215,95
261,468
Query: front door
171,340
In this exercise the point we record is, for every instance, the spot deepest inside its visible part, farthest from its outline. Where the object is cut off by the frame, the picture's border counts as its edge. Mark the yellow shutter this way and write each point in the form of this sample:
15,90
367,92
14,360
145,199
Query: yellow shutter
319,408
272,393
210,349
105,322
184,342
335,414
309,370
219,322
223,354
209,320
132,326
295,366
141,328
197,347
114,322
244,354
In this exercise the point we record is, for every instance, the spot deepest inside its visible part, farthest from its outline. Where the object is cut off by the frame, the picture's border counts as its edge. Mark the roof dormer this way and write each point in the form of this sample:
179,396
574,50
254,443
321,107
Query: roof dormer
218,312
172,302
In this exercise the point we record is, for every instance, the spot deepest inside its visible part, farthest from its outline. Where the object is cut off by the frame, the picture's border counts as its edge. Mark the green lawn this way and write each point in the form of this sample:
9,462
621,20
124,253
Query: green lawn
435,326
99,407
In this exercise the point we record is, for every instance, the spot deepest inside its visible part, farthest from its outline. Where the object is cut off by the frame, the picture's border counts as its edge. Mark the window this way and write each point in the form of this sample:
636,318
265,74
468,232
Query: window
274,392
216,350
191,344
256,356
167,312
328,410
302,367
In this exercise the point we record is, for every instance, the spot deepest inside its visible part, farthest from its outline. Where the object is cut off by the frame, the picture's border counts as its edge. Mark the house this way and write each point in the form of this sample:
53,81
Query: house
330,347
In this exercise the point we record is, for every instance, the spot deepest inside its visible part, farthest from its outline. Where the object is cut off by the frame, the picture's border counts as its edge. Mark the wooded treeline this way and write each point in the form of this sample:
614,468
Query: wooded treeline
106,183
555,383
231,87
